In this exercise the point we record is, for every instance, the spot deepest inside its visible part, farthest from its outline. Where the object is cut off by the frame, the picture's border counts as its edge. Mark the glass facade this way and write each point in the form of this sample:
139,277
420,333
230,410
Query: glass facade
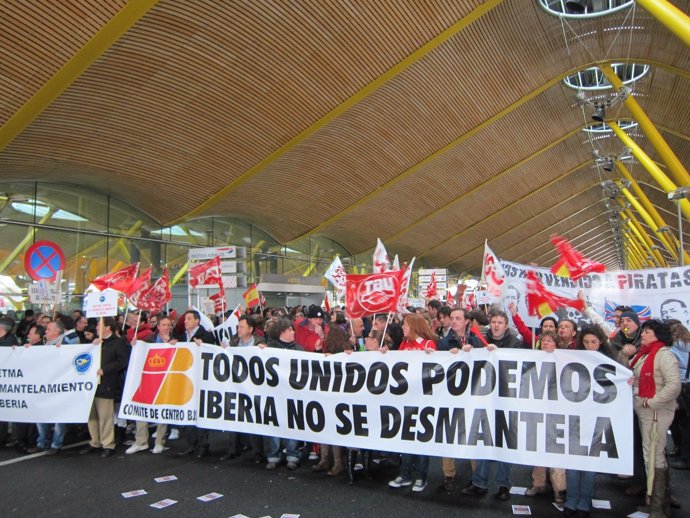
99,234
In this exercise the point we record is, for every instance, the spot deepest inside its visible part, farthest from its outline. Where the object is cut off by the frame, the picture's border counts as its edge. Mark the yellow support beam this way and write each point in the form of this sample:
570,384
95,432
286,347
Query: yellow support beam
665,152
73,68
632,256
673,18
632,219
410,60
642,257
641,241
668,241
654,170
650,221
180,274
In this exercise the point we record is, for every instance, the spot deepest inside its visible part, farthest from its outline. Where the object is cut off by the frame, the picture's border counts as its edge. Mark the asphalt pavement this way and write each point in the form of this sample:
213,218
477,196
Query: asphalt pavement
74,485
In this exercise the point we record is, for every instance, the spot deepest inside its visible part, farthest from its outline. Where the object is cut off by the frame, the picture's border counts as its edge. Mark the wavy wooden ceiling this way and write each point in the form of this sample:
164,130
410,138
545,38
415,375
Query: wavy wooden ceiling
432,125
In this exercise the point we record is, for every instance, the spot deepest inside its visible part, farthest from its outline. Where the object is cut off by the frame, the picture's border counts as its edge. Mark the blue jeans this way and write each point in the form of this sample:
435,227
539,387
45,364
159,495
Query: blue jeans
44,432
292,453
414,466
580,488
480,477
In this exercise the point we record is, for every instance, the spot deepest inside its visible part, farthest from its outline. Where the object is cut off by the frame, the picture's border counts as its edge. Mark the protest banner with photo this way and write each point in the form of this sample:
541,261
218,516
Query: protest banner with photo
47,384
162,384
563,409
652,293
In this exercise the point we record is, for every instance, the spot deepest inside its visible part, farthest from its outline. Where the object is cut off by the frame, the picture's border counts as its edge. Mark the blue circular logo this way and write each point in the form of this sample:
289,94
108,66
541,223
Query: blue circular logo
101,298
82,363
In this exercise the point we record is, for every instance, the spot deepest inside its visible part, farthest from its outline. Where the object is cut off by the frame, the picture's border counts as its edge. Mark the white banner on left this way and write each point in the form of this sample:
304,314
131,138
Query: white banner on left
46,384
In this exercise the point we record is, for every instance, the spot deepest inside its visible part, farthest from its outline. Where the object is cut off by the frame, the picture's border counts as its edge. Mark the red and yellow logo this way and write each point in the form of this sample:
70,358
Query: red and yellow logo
162,379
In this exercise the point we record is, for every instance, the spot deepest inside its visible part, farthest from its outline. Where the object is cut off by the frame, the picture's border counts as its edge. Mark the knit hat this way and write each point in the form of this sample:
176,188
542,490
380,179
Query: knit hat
315,312
632,316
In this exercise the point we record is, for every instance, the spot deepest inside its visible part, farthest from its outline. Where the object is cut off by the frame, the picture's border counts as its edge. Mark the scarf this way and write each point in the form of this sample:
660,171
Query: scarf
646,386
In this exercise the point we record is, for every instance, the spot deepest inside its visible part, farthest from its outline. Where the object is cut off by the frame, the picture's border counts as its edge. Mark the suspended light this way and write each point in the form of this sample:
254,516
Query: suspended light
599,113
576,6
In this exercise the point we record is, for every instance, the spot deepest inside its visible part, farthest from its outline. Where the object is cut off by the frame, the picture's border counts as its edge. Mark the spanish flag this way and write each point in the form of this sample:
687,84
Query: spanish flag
251,296
542,302
572,263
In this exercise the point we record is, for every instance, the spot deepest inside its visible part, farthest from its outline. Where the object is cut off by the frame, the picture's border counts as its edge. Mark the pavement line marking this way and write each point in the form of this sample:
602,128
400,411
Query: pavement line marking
39,454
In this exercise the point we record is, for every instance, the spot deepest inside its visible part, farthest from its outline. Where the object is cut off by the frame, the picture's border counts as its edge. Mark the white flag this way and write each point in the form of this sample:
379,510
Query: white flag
336,276
396,264
492,273
405,287
381,261
230,324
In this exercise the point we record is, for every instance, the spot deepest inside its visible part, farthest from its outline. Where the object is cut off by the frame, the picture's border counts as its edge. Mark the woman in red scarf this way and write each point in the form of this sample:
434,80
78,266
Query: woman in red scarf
656,387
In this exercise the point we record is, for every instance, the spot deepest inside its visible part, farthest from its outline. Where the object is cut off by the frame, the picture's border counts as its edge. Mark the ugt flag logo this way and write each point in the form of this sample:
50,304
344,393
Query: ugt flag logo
163,381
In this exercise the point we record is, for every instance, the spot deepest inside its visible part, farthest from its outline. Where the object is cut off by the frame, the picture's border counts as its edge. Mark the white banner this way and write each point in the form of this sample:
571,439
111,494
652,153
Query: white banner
563,409
162,384
47,384
653,293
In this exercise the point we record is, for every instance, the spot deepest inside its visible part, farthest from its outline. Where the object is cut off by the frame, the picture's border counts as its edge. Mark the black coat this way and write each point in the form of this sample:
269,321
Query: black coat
114,360
205,336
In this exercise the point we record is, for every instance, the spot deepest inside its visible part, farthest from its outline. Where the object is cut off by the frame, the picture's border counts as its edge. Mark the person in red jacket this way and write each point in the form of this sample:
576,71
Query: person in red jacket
310,331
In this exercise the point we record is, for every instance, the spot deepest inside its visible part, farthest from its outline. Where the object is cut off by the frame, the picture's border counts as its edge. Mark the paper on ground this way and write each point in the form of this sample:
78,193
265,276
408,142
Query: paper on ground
164,503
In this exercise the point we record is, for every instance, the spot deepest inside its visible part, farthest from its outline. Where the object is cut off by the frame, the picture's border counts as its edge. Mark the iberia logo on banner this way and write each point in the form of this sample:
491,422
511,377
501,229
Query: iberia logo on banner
162,383
373,293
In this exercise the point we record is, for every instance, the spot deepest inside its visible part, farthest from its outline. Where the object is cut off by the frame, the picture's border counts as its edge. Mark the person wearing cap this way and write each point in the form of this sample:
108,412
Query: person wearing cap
310,331
627,339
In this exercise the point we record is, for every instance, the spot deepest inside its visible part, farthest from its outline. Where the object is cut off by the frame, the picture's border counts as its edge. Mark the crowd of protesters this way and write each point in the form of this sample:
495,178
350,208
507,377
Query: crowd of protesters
656,351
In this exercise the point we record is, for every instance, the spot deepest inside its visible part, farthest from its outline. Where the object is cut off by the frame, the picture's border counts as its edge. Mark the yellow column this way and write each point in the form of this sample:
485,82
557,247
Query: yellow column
654,170
645,248
667,241
673,18
179,274
650,222
641,255
647,126
640,231
630,258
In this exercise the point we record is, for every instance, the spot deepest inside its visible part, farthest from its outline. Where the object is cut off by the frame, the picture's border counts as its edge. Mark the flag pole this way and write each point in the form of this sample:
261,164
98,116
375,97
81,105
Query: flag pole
534,338
385,328
136,328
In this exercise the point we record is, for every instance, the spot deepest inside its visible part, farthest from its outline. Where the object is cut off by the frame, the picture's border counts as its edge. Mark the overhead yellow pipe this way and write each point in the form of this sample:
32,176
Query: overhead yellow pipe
668,241
648,128
669,15
630,259
648,239
641,233
180,274
633,254
640,240
639,252
650,221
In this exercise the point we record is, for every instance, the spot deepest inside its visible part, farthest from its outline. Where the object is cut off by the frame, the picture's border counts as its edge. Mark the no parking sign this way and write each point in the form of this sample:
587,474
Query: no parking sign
43,260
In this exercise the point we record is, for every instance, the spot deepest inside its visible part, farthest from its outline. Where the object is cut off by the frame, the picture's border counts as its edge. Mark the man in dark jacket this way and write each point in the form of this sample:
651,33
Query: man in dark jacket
197,438
7,339
498,336
114,360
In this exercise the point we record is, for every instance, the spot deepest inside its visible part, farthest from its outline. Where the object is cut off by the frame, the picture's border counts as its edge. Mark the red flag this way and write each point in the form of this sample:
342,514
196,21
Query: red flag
372,293
141,283
206,273
219,303
173,316
450,300
156,296
431,289
326,304
251,296
542,302
119,280
571,262
476,332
